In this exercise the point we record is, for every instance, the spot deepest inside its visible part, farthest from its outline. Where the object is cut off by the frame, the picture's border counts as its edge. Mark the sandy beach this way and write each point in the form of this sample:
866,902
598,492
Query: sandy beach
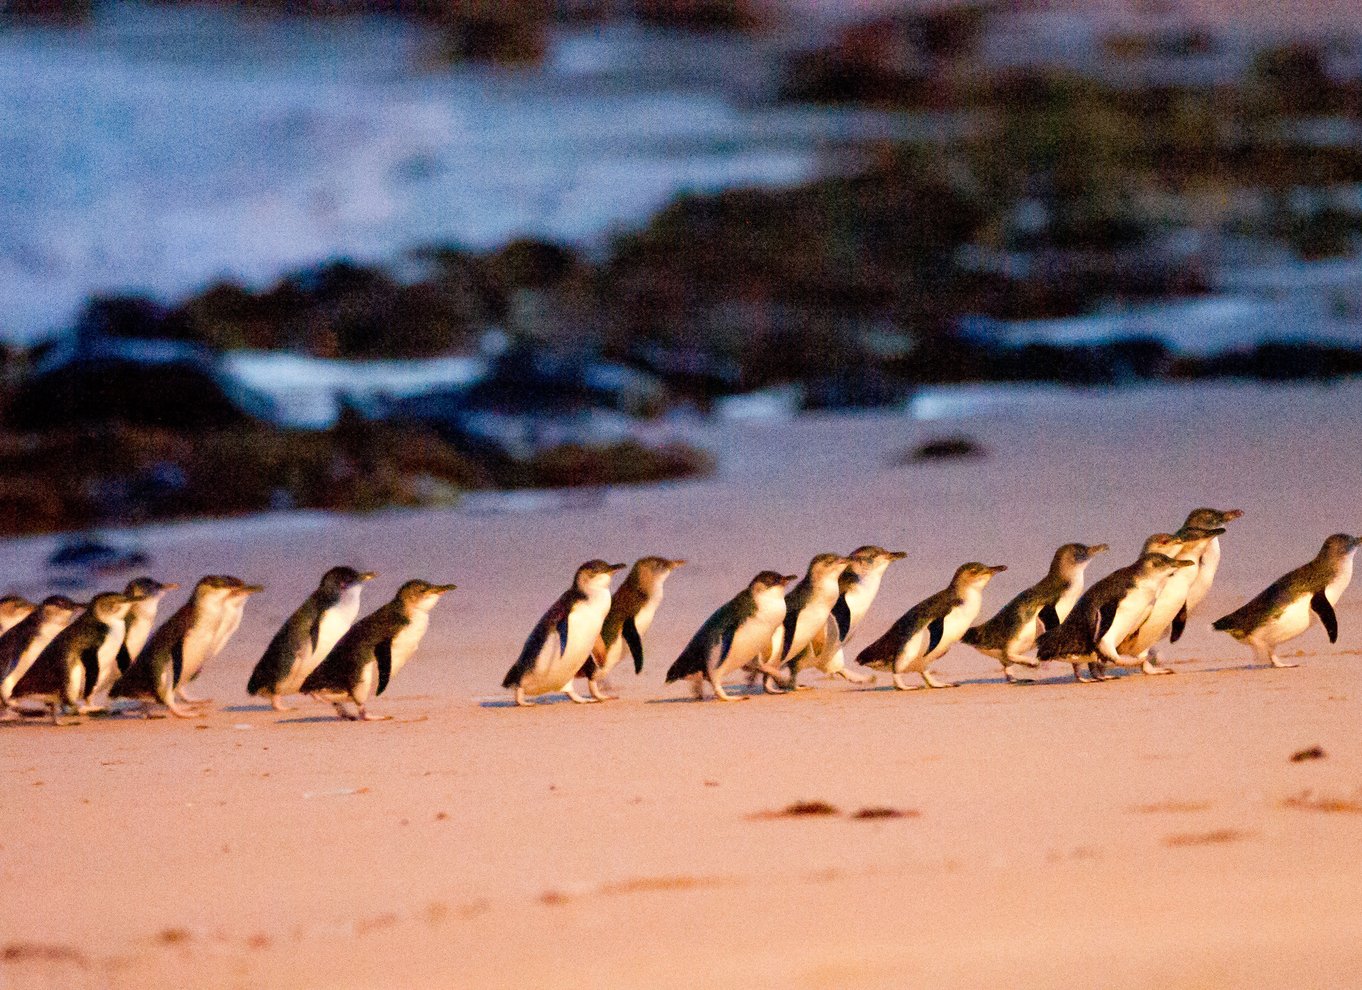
1141,832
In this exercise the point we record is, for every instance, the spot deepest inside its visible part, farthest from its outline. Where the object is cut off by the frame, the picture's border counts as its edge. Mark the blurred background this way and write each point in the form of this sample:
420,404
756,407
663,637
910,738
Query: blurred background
349,254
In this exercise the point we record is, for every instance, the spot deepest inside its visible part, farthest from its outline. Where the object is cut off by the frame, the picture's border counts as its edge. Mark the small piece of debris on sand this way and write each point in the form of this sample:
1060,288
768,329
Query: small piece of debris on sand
1309,801
1313,753
1215,837
944,449
21,952
1171,807
801,809
870,814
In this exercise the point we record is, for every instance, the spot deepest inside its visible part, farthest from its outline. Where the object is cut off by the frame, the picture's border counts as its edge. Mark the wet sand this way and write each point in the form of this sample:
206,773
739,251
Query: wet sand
1146,831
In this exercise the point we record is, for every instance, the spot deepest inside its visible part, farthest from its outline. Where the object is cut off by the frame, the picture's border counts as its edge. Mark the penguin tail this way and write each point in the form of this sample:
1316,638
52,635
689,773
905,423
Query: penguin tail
256,684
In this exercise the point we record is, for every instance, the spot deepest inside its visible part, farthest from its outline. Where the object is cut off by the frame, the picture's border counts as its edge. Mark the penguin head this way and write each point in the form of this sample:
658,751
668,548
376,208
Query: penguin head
771,583
827,567
59,608
975,574
1211,518
422,596
869,559
147,589
1162,543
1160,564
15,605
110,606
240,590
341,579
1339,546
595,575
650,572
1073,557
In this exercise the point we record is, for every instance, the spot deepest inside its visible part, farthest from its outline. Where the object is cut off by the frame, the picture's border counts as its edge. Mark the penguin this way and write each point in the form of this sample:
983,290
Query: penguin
1171,602
1108,611
13,610
21,644
1044,605
736,635
72,664
931,627
229,619
1207,565
562,639
631,613
1287,607
808,606
186,638
141,619
857,587
308,635
373,650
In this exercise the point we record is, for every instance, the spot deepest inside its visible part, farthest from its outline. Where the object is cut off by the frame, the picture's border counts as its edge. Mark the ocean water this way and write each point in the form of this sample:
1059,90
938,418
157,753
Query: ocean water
159,150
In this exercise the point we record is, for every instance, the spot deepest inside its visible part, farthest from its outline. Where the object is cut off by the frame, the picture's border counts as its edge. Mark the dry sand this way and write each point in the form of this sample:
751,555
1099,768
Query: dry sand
1144,832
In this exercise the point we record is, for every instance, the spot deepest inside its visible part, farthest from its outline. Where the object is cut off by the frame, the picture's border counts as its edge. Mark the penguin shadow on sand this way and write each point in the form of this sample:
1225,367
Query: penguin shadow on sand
738,692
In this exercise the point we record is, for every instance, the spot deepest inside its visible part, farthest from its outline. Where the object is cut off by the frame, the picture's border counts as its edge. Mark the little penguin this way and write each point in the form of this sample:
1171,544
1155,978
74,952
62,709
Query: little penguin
562,639
808,606
631,613
1043,606
1170,605
931,627
69,668
1288,605
735,636
229,620
857,588
1207,565
22,642
373,650
13,610
185,639
308,635
148,593
1108,611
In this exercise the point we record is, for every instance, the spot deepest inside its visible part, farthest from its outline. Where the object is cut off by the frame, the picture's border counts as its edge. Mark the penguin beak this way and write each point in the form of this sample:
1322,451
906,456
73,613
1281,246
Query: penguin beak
1097,548
680,562
443,589
613,568
170,585
368,575
250,589
1232,514
787,578
897,554
997,568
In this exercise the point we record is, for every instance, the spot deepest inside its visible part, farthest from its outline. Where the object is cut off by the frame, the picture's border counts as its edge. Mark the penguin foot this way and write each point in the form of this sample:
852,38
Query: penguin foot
521,701
901,685
177,711
571,692
1150,667
277,703
769,685
91,710
599,693
855,677
190,700
932,682
364,716
1282,664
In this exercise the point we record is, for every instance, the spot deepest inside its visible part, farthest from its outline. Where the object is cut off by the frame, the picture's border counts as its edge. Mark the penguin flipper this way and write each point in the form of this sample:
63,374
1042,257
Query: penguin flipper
726,642
562,628
177,661
124,659
841,614
791,624
630,632
315,633
935,629
383,653
1179,624
1106,615
1320,603
1049,617
89,659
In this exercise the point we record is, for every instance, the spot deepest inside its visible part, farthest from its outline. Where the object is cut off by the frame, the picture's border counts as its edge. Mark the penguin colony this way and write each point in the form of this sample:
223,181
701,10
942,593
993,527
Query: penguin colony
64,654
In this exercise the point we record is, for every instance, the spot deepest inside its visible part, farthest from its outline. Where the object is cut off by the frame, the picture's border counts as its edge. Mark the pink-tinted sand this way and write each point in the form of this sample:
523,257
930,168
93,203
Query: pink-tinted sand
1144,832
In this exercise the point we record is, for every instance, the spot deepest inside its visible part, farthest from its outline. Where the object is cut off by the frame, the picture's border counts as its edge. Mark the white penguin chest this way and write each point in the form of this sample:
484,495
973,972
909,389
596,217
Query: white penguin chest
1293,620
30,653
335,621
1069,599
561,658
752,638
643,621
1335,588
859,599
404,644
953,626
1133,609
107,652
138,630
